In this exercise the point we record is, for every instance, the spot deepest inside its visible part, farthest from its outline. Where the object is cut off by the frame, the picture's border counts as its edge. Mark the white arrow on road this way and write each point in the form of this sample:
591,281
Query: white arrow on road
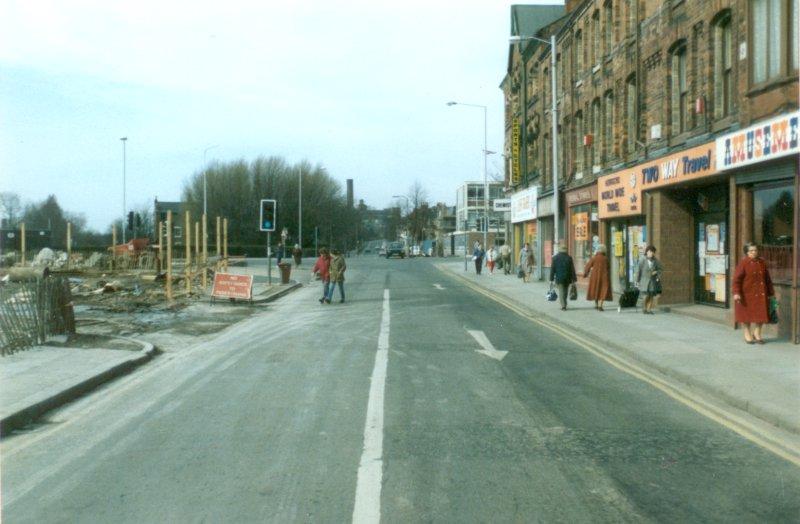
438,286
488,348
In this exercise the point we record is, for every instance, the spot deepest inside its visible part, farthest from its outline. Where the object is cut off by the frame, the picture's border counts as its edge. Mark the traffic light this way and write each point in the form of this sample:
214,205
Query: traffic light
130,220
268,215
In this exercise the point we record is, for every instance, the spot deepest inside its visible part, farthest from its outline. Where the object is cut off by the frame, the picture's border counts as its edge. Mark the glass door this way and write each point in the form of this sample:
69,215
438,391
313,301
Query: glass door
712,252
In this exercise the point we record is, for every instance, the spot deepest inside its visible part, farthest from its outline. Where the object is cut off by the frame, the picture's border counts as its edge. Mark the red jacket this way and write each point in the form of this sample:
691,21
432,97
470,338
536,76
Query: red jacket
323,267
753,283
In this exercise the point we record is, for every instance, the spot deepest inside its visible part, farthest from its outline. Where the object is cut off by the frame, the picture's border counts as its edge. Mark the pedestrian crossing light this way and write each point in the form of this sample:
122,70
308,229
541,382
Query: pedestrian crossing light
267,215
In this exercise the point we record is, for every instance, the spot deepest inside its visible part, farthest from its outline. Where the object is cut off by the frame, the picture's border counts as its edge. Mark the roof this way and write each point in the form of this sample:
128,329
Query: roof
528,20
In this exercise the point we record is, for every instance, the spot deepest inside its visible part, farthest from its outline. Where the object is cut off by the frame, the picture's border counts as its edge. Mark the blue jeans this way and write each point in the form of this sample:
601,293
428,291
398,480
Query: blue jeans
332,287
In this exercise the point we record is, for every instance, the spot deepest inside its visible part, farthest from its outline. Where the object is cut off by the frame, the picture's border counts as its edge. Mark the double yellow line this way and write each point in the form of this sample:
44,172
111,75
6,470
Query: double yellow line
787,450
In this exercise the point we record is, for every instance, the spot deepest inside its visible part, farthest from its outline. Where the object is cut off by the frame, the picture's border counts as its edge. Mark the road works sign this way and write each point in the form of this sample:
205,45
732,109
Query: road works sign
227,285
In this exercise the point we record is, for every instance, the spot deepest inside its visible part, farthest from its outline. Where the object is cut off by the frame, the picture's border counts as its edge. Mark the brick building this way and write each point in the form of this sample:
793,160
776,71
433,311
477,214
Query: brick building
676,126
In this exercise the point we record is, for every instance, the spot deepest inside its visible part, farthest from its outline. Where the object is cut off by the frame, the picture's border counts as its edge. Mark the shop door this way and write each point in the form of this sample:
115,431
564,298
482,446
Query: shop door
711,245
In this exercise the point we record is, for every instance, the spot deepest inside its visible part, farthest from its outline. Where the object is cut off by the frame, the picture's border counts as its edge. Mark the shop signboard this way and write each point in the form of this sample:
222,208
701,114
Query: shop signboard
524,205
501,204
764,141
620,193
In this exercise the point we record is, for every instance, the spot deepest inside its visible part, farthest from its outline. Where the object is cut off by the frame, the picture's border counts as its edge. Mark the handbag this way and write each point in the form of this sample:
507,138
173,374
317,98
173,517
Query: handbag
573,291
654,286
551,294
773,310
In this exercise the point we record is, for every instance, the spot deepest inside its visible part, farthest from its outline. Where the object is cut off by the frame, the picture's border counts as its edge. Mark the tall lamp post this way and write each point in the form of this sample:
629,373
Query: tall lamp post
485,182
124,189
553,118
300,207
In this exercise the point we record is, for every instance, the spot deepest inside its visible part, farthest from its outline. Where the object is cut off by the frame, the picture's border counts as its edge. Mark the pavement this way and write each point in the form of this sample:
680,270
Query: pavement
763,381
46,377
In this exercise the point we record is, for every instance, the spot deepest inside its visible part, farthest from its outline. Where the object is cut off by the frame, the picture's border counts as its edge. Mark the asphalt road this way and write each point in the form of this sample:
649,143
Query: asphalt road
268,422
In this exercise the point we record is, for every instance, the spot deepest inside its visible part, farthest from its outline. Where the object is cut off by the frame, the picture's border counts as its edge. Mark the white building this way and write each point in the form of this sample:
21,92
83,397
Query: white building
470,214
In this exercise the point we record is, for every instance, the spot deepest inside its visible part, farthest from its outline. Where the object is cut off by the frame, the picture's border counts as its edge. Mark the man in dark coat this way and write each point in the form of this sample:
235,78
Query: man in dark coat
562,274
477,256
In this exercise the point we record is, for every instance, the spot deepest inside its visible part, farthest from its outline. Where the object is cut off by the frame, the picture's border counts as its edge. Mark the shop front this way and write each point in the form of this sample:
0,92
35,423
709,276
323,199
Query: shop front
679,204
583,234
544,249
763,162
524,212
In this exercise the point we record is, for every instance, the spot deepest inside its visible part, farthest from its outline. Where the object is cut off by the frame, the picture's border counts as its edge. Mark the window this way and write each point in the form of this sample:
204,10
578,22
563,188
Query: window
578,53
545,165
578,134
723,67
774,39
773,219
608,28
595,38
631,114
595,129
630,17
679,98
608,121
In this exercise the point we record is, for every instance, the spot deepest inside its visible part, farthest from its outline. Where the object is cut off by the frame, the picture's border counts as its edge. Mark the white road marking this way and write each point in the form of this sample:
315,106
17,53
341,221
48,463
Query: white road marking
488,348
439,287
367,507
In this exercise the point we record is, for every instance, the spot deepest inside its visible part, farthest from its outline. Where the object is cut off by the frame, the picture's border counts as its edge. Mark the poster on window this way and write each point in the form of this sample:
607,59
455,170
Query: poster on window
581,224
618,247
712,238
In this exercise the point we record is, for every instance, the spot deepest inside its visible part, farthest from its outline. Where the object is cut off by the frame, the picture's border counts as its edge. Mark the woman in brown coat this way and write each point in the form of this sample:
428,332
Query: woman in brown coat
752,287
599,281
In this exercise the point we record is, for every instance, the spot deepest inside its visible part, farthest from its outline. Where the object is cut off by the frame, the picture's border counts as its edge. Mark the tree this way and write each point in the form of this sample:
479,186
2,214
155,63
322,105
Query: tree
420,217
10,207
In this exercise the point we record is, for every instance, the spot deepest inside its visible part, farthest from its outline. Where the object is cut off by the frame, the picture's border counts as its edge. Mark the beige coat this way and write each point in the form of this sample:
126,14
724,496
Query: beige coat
338,268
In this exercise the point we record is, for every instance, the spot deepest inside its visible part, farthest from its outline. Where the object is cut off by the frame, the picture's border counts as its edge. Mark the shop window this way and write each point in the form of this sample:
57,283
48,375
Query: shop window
584,235
773,39
773,219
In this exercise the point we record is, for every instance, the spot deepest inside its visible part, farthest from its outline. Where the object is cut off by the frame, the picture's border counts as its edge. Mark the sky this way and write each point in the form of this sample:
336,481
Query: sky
359,87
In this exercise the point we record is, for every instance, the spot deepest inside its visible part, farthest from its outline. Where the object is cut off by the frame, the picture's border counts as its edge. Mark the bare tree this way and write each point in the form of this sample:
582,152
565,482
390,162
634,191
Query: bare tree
11,207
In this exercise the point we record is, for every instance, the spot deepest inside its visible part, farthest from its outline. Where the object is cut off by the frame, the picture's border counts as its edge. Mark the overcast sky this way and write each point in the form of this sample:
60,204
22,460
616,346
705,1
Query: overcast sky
358,86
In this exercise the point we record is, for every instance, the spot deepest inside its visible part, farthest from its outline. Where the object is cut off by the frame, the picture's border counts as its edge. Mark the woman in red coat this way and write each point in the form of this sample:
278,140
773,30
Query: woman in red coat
599,281
752,288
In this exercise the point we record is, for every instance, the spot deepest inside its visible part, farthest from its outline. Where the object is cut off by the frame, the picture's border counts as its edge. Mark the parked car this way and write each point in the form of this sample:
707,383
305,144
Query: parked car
395,249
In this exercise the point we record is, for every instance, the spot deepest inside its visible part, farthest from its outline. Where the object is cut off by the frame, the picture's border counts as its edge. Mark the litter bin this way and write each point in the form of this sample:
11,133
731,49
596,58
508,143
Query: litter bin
286,271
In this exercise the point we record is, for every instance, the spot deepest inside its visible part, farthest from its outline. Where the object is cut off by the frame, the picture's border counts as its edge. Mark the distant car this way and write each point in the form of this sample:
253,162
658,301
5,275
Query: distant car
382,251
415,251
395,249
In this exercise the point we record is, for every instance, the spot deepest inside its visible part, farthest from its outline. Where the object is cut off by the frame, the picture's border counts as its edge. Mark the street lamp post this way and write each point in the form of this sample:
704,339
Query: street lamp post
124,189
300,207
485,182
554,119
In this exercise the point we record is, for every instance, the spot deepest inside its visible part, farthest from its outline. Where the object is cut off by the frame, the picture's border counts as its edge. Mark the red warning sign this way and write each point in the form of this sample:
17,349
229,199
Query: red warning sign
227,285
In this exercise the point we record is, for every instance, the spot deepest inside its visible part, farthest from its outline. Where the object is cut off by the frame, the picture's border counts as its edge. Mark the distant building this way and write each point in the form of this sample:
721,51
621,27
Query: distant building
470,219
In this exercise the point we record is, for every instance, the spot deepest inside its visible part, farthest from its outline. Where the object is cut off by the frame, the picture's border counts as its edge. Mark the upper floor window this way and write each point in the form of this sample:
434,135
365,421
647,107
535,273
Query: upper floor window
608,126
679,96
578,137
723,66
631,114
595,132
630,17
774,39
608,28
578,47
595,50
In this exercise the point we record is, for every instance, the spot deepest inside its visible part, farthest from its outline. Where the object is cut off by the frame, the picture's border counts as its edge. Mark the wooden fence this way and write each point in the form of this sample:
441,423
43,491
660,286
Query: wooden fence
32,311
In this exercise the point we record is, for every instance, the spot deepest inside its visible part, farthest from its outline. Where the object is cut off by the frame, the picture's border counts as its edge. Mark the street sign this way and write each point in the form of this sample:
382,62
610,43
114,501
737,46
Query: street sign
227,285
502,204
268,215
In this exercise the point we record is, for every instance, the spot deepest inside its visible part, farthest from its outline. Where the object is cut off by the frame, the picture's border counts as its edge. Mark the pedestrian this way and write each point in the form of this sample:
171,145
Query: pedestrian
322,268
562,274
648,279
530,261
752,289
297,254
280,252
491,256
477,256
599,280
505,258
338,267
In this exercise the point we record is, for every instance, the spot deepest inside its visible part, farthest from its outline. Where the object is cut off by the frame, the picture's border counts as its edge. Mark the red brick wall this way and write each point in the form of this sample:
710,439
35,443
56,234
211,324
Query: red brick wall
672,224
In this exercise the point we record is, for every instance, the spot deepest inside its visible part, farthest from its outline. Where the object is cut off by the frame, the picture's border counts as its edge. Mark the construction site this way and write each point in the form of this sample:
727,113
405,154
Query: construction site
152,289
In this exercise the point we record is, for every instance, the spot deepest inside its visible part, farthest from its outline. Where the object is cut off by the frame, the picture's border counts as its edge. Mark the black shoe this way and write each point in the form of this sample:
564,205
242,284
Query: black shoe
341,301
322,300
327,301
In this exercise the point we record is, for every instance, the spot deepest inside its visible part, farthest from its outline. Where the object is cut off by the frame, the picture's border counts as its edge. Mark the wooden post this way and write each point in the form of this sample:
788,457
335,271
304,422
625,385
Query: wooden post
169,255
225,243
205,251
69,245
188,264
197,244
160,245
219,251
22,240
113,246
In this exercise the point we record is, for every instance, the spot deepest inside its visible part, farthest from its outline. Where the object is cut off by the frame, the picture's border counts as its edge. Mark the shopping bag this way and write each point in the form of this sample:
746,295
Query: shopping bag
551,294
573,292
773,310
